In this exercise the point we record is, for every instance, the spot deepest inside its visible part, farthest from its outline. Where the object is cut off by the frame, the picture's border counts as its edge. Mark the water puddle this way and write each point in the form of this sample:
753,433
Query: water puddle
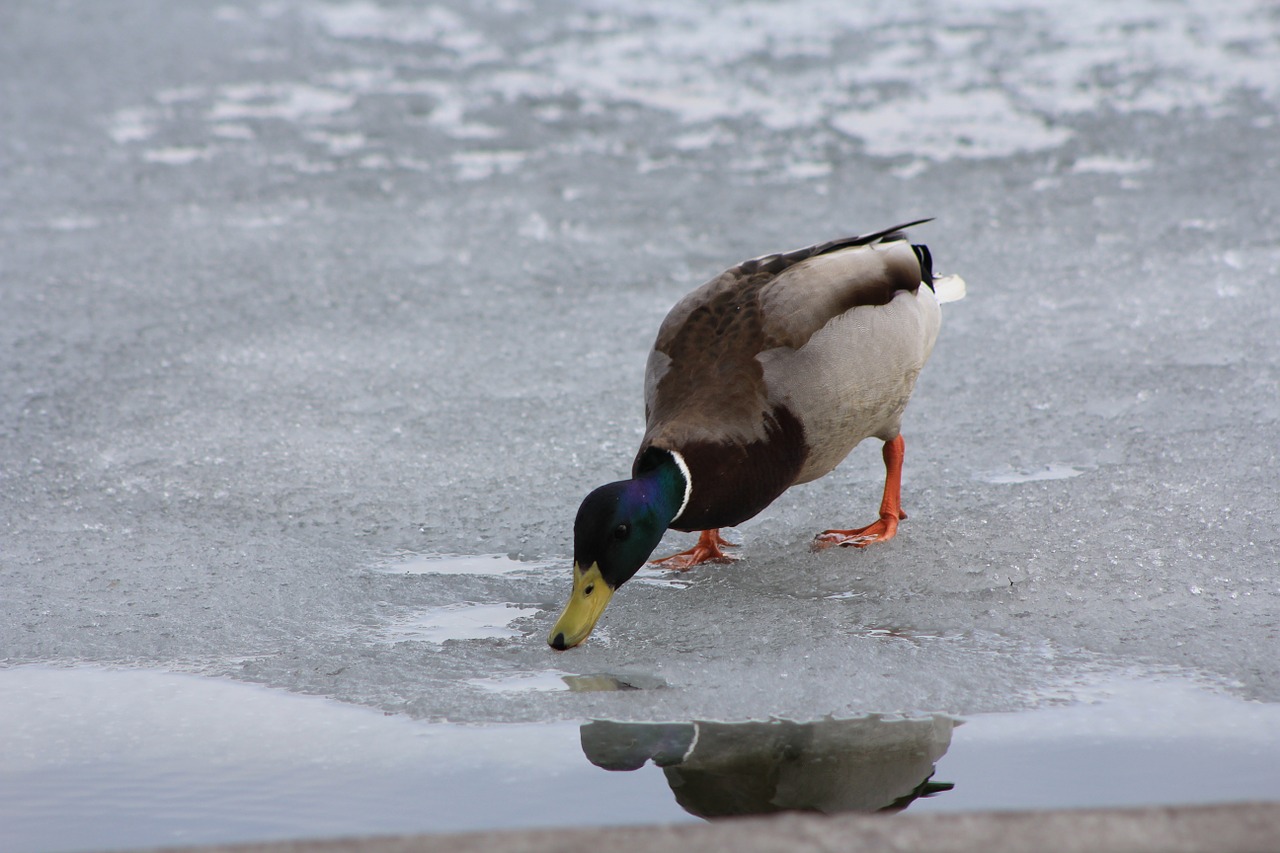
523,682
100,759
97,760
1052,471
910,634
550,680
464,621
652,576
491,564
606,683
1123,742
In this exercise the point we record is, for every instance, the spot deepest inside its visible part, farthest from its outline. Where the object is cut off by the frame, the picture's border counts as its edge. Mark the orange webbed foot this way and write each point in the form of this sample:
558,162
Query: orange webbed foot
890,507
881,531
707,550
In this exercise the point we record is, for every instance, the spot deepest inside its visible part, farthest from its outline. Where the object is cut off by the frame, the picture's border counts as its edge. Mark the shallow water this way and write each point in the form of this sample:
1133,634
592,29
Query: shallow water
102,759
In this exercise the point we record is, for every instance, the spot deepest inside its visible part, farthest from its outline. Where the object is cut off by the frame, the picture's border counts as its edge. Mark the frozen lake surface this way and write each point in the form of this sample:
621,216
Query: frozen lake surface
320,318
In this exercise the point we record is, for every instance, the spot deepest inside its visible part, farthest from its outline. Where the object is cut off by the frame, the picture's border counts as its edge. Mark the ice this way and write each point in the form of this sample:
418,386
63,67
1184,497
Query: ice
944,125
176,156
292,102
289,332
432,25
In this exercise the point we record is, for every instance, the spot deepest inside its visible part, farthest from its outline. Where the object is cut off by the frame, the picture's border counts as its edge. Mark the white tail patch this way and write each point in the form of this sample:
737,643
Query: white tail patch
949,288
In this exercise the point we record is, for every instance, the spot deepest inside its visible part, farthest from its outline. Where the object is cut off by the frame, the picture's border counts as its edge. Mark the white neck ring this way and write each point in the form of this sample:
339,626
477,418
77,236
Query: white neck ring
688,481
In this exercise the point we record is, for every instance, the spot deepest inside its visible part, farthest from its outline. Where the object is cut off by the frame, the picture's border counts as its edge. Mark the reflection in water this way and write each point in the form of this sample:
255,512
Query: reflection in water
606,683
724,769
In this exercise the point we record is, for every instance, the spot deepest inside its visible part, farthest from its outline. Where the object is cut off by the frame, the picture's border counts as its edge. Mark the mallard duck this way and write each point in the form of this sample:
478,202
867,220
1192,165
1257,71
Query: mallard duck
765,377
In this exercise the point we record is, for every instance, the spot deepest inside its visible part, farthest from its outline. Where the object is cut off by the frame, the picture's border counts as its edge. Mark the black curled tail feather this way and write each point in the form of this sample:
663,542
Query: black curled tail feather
926,263
776,263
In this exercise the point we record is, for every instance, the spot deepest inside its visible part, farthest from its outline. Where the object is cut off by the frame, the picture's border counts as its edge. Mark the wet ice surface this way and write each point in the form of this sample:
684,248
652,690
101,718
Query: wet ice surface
299,296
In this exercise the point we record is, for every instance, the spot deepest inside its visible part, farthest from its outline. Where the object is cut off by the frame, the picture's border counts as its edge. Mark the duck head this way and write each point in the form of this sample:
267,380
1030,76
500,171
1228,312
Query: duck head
617,528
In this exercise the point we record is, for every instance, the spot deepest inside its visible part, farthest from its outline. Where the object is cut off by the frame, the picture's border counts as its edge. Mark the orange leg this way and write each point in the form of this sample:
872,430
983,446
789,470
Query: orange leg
890,508
706,551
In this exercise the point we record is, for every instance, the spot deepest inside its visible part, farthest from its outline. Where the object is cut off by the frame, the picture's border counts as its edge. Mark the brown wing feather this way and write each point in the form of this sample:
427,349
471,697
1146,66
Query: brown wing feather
710,383
808,295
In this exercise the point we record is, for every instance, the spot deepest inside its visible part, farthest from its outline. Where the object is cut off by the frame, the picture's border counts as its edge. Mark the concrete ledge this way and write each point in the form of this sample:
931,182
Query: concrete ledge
1236,828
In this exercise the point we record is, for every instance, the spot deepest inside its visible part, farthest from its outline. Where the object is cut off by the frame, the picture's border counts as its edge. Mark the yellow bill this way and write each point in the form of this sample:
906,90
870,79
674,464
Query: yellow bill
587,601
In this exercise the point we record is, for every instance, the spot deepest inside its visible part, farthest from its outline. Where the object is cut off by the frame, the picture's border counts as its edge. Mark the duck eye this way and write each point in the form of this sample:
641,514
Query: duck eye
622,531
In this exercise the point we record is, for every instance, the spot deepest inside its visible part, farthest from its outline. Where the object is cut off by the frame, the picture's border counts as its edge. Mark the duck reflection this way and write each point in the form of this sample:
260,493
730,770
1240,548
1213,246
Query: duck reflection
725,769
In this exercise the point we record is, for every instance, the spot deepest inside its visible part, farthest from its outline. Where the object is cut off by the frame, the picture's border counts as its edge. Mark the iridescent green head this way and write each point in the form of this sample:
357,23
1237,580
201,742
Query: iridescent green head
617,527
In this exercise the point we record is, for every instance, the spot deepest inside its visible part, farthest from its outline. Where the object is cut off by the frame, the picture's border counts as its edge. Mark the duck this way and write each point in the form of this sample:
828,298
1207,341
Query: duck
763,378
